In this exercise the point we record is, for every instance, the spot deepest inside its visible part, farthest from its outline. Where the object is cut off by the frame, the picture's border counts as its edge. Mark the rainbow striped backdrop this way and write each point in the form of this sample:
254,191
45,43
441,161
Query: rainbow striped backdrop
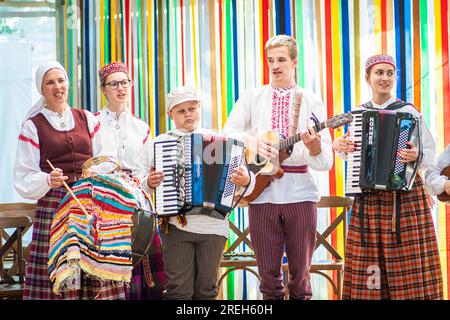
217,47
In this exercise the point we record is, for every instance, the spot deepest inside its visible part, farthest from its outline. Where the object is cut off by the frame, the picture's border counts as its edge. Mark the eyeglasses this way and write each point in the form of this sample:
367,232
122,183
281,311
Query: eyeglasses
125,83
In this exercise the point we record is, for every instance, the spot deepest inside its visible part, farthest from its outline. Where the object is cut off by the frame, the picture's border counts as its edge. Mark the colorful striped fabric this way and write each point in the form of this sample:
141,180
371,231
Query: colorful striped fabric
99,245
217,46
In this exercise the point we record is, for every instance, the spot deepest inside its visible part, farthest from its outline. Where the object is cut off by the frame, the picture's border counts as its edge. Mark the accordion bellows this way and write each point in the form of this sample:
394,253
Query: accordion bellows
99,245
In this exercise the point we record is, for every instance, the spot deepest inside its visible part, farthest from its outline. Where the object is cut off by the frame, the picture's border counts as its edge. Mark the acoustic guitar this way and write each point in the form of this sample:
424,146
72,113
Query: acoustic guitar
266,170
445,197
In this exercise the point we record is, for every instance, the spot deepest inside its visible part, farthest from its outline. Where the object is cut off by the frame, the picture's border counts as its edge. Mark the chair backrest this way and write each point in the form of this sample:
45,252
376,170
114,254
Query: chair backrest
17,206
17,216
333,202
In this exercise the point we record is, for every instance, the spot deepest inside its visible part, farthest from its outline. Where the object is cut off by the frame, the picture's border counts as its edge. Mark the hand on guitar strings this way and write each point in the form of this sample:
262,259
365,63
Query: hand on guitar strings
342,144
56,177
263,147
409,155
240,176
311,140
154,178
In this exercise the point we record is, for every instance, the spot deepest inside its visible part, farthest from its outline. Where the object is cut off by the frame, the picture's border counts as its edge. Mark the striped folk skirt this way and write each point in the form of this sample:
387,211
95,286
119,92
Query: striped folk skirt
384,268
37,283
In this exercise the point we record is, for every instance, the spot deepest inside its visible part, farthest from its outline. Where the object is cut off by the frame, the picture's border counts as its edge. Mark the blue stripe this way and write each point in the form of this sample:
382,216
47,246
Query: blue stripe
400,46
235,51
346,56
156,75
408,66
287,17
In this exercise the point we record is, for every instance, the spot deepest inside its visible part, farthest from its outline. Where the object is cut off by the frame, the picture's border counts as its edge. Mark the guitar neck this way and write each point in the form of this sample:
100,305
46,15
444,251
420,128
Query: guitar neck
286,143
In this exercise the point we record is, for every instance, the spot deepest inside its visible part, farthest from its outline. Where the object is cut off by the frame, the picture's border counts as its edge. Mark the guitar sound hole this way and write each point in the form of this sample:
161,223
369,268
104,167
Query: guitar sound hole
260,160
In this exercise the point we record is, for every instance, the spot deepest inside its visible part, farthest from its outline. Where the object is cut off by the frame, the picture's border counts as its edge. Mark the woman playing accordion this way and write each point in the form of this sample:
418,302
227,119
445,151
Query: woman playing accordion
391,250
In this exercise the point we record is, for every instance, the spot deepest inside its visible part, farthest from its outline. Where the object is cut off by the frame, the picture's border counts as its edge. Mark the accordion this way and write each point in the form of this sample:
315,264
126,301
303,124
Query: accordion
197,170
379,136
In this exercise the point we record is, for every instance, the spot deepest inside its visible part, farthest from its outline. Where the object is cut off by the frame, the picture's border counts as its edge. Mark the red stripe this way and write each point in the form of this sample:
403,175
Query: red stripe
383,27
26,139
329,94
265,33
446,98
148,134
445,69
97,127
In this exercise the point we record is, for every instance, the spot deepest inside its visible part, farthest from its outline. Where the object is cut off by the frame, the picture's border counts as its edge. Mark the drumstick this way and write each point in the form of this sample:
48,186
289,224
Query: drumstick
71,192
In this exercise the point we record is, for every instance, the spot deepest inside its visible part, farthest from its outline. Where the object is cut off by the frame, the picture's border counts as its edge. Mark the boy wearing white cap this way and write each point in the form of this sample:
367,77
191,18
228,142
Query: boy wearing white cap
192,245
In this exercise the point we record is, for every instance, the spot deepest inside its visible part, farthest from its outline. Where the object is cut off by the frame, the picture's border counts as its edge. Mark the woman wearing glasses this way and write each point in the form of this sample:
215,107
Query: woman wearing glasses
130,142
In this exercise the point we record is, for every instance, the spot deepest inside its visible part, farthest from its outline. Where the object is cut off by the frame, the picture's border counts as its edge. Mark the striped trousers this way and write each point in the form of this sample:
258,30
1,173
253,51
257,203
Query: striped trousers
191,264
275,228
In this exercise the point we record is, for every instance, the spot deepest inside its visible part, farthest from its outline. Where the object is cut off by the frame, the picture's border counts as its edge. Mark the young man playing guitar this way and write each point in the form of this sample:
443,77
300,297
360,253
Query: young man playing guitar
284,216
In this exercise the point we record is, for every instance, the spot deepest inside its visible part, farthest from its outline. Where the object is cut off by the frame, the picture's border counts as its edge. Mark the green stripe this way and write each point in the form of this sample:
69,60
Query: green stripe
229,106
425,71
107,33
71,55
301,47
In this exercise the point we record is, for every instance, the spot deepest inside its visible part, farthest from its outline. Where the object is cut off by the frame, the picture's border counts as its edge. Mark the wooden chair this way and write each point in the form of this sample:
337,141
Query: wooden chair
17,216
336,263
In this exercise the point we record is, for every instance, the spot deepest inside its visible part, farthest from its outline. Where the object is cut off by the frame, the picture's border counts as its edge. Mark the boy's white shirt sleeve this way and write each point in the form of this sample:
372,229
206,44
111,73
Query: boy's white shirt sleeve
29,180
434,181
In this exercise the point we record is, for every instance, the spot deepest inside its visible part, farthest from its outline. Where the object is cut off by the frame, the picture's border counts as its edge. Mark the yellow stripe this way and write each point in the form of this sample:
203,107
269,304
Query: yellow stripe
194,42
151,71
377,22
357,65
224,67
337,106
112,20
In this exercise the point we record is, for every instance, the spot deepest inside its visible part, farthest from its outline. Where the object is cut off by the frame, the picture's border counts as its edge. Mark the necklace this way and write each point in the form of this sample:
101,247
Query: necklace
120,134
62,119
111,119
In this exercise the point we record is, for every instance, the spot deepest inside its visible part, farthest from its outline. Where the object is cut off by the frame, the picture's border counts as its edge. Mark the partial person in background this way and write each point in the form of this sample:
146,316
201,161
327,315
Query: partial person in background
129,141
436,182
54,131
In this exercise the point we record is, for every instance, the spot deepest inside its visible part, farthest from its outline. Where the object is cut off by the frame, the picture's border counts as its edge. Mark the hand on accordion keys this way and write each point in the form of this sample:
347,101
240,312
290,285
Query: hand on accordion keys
240,176
154,178
342,144
409,155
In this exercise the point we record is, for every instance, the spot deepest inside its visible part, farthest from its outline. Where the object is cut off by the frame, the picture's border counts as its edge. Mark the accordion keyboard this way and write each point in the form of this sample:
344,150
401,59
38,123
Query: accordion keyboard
167,192
354,159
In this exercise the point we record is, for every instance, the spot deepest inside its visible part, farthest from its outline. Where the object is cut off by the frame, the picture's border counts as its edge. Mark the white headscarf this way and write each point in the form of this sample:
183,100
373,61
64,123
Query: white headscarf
40,73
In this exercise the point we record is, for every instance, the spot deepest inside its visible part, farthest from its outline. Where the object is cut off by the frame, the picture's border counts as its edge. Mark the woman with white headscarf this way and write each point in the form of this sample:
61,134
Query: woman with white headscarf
67,138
